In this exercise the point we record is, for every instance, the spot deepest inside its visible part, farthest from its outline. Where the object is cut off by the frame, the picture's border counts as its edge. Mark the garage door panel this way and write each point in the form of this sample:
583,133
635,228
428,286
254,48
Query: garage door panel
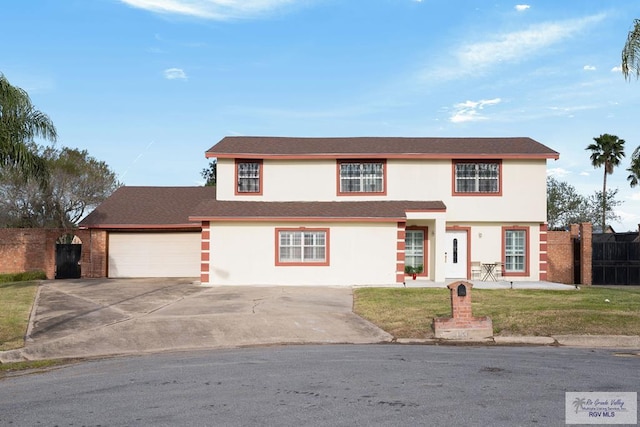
154,254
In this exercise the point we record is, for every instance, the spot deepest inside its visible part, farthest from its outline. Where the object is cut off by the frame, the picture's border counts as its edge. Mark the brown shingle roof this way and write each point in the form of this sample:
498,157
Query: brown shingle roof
391,147
320,211
149,207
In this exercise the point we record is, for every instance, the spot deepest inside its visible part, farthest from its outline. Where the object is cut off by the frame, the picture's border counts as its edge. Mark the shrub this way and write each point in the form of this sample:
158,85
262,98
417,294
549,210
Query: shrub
23,277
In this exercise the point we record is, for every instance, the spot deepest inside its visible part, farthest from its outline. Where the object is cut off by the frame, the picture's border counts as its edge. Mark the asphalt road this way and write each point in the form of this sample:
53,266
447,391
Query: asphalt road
333,385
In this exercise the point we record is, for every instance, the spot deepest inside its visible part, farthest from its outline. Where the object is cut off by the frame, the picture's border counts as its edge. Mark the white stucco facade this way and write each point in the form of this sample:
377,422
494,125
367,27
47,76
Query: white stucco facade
522,196
358,254
471,228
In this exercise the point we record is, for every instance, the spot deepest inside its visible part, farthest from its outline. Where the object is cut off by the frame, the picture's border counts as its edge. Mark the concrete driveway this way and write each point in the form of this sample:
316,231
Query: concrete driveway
87,318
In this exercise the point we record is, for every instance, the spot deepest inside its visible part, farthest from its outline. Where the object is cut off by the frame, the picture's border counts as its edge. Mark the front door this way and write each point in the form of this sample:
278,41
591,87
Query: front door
456,254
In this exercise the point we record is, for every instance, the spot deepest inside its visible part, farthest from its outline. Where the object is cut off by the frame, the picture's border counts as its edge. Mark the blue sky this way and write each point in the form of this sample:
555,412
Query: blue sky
149,85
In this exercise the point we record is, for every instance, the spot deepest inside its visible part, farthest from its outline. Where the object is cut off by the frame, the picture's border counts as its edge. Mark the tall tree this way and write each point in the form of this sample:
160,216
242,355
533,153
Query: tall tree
594,203
607,151
76,183
634,168
20,123
564,205
631,52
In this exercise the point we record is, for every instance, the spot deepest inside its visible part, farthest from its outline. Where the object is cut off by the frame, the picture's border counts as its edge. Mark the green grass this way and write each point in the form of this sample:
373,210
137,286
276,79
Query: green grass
9,368
408,313
17,294
16,300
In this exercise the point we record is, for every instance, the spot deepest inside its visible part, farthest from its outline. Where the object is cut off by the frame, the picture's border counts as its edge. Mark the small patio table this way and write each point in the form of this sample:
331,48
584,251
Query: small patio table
489,271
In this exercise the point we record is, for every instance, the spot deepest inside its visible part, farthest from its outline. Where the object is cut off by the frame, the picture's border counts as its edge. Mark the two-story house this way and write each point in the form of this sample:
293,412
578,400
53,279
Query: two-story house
357,211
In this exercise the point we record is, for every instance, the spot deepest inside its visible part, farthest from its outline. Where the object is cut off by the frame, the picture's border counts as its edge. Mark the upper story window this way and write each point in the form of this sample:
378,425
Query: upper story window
477,177
361,177
249,177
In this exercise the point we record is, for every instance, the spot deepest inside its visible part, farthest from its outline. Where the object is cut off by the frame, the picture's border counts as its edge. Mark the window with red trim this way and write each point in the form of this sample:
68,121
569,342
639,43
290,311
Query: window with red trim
358,177
302,247
415,242
476,177
515,251
249,176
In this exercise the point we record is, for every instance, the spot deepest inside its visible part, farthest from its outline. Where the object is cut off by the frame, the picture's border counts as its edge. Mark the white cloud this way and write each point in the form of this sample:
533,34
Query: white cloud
469,111
522,7
617,69
628,219
210,9
175,74
635,196
585,174
521,44
589,68
558,172
512,47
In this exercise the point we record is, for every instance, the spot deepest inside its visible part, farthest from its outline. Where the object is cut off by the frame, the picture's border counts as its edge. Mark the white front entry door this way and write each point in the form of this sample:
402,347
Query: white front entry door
456,254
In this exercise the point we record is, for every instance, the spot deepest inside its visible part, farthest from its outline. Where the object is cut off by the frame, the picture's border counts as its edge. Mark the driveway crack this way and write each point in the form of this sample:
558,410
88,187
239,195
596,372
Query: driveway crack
257,302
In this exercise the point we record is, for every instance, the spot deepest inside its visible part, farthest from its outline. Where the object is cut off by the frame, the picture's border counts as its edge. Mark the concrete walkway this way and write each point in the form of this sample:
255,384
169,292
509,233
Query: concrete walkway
498,284
102,317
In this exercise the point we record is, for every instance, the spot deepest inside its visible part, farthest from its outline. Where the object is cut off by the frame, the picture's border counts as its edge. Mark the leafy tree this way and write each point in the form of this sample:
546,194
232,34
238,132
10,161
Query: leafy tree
594,202
607,151
634,169
564,205
77,183
631,52
210,173
20,123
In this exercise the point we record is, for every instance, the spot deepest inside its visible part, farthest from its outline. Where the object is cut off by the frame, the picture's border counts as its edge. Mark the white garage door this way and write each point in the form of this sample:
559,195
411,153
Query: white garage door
154,254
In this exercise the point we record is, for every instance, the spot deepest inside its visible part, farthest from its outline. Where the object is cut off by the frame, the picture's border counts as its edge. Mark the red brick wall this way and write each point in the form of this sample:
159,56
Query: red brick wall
560,254
559,257
22,249
27,249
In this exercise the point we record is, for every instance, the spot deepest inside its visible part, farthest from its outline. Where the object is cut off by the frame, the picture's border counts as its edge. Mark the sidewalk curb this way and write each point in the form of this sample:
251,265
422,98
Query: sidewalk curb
588,341
584,341
616,341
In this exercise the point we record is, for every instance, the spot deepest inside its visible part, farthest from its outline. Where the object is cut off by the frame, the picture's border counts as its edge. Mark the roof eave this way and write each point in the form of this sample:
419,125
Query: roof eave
400,156
191,225
296,219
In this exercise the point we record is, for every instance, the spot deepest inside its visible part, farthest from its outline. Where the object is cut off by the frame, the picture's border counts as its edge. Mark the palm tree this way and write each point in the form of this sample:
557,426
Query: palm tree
606,151
634,169
20,123
631,52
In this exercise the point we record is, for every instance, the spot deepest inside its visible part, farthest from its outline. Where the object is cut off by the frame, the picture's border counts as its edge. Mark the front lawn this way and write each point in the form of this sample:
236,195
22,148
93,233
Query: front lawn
16,299
408,313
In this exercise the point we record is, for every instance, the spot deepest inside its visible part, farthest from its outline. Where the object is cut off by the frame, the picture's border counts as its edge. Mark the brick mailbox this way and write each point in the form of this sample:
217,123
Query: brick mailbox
462,325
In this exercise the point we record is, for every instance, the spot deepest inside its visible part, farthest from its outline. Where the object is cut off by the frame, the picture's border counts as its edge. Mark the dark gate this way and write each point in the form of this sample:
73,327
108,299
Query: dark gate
616,259
68,261
577,260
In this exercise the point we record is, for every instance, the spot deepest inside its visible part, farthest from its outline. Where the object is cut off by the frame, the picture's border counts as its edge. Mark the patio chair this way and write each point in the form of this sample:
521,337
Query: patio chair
497,272
476,270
